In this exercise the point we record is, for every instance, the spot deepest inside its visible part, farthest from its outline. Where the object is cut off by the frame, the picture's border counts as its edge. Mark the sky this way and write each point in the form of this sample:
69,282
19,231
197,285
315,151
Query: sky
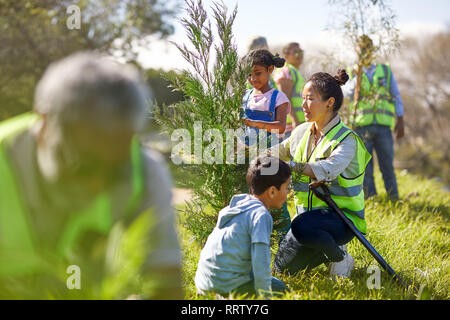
303,21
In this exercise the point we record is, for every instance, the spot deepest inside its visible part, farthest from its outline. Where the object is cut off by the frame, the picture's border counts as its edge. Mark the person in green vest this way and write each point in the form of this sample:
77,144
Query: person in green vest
289,80
378,113
84,207
323,149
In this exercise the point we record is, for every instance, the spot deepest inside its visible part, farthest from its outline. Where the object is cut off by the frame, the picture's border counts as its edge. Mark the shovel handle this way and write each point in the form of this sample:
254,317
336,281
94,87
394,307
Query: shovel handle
326,197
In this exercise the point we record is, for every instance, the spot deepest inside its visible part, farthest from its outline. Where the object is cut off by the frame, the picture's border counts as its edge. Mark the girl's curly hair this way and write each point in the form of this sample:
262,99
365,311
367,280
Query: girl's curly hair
263,57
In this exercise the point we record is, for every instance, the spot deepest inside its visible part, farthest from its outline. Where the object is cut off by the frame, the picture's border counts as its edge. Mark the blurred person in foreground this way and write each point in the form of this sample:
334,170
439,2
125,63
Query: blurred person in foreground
79,189
379,111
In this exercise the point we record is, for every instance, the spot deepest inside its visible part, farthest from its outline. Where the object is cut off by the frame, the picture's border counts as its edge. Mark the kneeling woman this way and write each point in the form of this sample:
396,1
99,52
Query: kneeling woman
323,149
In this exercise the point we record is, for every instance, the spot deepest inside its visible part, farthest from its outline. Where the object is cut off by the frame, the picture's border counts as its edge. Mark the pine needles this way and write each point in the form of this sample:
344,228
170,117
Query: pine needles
215,84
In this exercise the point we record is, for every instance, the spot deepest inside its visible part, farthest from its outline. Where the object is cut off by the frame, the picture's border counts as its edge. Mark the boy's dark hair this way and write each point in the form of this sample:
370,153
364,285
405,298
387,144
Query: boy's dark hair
328,86
258,183
262,57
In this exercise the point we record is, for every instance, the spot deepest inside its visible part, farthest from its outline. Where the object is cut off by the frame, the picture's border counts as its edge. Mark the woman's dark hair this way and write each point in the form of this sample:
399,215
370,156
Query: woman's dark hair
328,86
266,171
263,57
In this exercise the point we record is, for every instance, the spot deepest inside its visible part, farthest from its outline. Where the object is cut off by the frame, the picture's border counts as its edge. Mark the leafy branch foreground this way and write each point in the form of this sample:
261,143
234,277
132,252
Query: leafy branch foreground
215,87
412,235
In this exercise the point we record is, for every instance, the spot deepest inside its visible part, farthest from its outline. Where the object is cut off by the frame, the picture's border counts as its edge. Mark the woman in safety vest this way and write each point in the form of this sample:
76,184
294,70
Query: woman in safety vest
323,149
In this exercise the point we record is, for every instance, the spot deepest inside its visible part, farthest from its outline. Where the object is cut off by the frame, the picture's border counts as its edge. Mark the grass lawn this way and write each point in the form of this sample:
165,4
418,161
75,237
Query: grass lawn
411,235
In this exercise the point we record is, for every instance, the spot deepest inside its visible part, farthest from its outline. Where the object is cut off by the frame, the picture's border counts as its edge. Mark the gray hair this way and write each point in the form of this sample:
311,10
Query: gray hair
88,87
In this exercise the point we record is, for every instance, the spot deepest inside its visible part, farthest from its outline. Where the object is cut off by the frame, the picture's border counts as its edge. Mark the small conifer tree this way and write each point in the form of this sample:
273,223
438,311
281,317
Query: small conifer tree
214,88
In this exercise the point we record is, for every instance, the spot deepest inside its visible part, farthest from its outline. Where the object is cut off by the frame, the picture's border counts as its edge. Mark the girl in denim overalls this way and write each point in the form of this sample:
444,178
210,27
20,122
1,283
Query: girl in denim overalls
265,109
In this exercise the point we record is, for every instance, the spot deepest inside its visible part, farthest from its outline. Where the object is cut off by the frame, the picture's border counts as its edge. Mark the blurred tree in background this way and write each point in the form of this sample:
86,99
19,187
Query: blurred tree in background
424,81
163,92
35,33
366,18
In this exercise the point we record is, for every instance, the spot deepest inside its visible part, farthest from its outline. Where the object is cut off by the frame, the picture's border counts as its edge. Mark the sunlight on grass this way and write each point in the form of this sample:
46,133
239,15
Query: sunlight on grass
412,236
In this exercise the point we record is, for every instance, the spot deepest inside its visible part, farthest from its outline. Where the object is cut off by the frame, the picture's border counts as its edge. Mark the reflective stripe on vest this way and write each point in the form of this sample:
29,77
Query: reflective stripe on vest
19,253
347,192
375,105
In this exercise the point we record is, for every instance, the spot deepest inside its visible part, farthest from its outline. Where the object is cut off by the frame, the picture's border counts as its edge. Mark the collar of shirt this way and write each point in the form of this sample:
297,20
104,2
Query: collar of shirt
371,68
334,121
370,71
311,146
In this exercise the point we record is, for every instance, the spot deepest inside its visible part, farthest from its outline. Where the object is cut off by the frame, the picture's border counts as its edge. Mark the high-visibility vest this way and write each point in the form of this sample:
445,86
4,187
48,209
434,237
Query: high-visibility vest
296,94
20,253
347,192
376,105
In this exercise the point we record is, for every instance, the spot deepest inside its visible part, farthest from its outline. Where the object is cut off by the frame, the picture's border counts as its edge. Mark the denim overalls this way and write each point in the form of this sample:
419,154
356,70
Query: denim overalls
251,133
251,137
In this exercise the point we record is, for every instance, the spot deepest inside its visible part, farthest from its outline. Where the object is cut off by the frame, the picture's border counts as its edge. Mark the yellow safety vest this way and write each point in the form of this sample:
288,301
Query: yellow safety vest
296,95
347,192
375,105
20,253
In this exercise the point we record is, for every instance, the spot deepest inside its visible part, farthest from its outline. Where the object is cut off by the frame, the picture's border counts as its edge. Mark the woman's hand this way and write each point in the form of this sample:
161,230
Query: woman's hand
249,123
297,167
302,168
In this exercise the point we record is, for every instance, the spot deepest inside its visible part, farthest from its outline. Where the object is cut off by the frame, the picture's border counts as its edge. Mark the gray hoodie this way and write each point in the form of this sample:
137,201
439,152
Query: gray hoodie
238,249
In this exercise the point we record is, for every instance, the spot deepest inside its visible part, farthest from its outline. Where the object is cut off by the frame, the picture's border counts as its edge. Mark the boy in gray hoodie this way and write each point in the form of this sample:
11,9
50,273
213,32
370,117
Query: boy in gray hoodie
236,256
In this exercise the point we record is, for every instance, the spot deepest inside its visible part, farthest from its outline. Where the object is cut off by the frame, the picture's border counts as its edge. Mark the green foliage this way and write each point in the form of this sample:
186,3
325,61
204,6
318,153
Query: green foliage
112,267
412,236
425,147
198,220
125,257
162,91
215,94
35,33
215,89
367,17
